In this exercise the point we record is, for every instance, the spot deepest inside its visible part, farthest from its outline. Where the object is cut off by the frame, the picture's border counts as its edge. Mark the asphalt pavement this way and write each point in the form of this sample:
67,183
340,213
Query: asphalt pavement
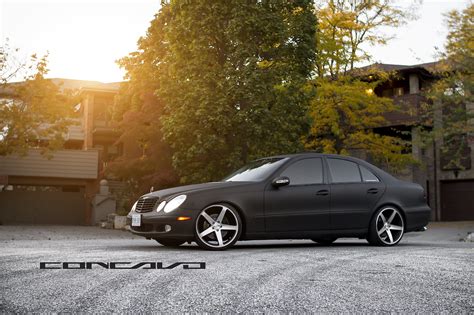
429,272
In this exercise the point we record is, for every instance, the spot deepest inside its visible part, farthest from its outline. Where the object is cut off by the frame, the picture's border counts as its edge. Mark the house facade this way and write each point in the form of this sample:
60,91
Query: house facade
450,191
65,189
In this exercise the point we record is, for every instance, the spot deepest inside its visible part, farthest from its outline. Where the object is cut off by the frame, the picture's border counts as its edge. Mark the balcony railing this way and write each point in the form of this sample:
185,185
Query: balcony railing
75,130
409,110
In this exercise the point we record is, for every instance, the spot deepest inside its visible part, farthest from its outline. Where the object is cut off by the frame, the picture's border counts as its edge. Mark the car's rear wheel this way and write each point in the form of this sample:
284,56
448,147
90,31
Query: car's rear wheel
218,227
386,228
169,242
324,241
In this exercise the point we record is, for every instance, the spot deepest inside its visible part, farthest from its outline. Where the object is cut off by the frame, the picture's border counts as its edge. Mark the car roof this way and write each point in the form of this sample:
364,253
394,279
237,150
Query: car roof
307,153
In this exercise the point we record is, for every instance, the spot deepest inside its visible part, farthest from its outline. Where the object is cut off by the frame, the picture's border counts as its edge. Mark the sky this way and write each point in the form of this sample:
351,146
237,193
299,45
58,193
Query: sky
85,38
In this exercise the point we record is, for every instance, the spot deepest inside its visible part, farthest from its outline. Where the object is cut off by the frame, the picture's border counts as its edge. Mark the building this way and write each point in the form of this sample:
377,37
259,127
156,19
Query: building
66,188
450,191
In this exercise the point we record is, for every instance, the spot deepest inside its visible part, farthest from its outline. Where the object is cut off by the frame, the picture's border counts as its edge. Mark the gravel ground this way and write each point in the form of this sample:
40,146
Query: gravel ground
427,272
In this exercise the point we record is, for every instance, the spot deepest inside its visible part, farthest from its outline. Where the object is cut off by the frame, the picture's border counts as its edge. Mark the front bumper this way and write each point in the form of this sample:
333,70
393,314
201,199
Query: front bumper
160,225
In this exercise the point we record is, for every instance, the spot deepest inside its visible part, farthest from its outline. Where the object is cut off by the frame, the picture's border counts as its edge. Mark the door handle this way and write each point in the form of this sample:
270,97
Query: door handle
372,191
323,192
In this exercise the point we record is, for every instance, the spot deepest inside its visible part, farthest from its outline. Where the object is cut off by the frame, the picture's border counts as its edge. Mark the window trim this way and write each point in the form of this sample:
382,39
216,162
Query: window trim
323,168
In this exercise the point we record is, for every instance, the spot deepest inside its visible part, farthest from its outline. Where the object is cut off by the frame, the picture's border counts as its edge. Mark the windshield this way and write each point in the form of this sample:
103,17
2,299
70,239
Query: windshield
256,170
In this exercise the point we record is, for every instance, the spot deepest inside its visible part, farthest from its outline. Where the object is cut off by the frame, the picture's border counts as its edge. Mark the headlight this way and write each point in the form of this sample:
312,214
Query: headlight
161,206
175,203
133,207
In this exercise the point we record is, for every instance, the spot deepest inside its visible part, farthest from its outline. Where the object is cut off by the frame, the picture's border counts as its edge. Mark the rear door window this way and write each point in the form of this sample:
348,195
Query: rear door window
343,171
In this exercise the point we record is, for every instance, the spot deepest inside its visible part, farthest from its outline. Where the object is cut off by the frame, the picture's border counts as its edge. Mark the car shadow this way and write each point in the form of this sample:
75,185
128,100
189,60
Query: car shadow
340,244
264,245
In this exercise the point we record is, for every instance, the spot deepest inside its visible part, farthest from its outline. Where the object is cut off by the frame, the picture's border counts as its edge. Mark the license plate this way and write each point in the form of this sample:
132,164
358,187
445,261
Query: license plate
136,219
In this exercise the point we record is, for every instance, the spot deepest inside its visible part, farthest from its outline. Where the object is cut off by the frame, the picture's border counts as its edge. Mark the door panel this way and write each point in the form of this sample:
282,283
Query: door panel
354,191
297,208
303,205
351,204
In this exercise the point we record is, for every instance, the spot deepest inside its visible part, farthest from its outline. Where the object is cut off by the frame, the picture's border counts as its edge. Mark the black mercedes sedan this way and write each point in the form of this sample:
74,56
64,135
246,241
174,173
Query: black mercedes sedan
314,196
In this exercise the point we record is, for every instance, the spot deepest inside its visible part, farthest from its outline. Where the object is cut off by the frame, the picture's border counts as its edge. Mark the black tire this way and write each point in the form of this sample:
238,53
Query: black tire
169,242
377,238
229,237
324,241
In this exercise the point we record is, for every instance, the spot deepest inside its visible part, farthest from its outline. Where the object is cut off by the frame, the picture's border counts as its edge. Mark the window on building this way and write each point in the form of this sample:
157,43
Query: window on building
398,91
73,145
102,106
37,188
387,93
343,171
305,172
114,151
72,189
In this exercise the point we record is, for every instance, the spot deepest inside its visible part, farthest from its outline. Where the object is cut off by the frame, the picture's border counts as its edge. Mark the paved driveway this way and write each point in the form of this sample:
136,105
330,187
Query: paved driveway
427,272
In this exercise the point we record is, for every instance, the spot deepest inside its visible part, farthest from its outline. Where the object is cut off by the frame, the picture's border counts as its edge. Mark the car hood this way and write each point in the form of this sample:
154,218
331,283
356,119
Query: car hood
194,188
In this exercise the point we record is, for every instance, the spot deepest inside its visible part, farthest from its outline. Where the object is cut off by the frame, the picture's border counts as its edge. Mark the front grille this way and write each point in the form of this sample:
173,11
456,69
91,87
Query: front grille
146,204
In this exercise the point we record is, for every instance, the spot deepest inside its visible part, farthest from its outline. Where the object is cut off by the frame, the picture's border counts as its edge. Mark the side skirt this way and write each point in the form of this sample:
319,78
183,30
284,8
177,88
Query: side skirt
359,233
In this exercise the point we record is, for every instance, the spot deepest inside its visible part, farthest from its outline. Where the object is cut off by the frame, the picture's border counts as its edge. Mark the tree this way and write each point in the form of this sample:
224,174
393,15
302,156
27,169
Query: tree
347,27
146,161
232,76
345,110
33,113
448,110
137,112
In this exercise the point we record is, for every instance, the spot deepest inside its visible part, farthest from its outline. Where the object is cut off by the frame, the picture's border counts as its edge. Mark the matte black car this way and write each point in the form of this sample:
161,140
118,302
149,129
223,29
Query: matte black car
301,196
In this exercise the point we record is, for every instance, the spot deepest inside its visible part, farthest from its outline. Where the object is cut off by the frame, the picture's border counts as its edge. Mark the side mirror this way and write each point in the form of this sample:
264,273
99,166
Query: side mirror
281,181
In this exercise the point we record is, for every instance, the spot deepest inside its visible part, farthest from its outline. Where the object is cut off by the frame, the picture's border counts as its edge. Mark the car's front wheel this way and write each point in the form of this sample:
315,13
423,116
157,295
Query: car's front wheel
386,227
218,227
169,242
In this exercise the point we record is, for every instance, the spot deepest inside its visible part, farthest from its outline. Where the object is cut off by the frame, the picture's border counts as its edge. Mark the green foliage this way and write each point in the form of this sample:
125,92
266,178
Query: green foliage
232,76
33,113
146,161
447,111
343,113
345,110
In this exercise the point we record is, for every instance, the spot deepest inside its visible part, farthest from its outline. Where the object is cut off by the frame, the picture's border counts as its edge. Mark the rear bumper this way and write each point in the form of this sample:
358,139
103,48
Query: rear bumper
417,218
158,226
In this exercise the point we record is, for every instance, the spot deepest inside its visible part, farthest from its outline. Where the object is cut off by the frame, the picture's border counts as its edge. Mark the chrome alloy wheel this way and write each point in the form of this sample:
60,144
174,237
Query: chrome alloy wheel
389,226
217,226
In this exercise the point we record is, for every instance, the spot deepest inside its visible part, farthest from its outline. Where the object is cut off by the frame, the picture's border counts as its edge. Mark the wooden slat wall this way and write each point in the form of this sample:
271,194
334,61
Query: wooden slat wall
64,164
75,133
